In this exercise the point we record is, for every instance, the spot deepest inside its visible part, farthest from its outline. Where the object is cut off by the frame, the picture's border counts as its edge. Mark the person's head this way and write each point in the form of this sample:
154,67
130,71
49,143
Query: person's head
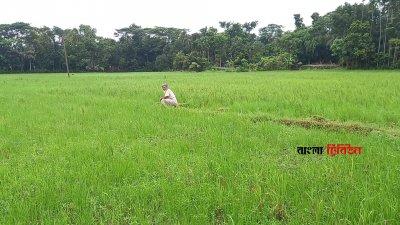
165,87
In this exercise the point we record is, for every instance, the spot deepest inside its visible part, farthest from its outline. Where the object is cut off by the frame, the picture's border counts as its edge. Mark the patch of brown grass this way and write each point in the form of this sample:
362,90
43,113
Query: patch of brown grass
329,125
219,216
320,122
279,212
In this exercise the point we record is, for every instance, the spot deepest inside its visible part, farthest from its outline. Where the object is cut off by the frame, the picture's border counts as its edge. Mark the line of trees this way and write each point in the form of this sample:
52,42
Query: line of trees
363,35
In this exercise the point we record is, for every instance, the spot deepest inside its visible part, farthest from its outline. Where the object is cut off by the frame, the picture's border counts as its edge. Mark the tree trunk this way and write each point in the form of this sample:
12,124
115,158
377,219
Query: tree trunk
385,38
388,62
362,12
380,32
372,21
22,63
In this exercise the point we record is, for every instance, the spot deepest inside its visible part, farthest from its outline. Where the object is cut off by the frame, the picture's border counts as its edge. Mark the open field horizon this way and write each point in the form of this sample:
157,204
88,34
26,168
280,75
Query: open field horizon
99,148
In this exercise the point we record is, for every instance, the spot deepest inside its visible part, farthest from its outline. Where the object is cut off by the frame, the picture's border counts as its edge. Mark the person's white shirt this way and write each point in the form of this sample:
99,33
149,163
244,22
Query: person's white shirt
170,94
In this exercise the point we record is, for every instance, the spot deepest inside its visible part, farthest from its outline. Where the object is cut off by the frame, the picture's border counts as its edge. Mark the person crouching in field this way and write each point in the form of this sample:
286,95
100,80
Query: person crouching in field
169,98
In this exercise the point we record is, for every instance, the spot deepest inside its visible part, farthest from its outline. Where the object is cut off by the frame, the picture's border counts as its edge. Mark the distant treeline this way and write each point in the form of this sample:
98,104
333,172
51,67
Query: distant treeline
353,36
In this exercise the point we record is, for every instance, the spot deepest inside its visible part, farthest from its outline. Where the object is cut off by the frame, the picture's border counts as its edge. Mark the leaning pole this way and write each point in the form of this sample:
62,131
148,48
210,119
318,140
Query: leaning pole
66,58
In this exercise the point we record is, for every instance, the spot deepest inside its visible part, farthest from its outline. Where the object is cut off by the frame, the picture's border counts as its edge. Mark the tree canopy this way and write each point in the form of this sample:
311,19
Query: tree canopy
355,36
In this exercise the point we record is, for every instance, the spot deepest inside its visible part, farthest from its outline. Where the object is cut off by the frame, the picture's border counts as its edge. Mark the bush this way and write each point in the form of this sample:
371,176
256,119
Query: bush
282,61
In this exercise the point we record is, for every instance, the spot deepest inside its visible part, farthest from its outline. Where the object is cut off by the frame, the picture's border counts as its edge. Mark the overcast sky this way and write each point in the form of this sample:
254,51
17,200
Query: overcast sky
108,15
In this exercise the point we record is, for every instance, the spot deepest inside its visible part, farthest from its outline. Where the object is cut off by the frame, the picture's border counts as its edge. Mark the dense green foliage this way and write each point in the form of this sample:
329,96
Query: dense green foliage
355,36
100,149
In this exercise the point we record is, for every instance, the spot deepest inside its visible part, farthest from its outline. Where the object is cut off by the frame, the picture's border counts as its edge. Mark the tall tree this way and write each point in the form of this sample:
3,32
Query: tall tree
16,46
270,33
298,21
356,49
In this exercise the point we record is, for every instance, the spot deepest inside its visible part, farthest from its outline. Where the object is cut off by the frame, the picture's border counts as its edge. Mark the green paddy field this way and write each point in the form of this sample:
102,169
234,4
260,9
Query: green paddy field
99,148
